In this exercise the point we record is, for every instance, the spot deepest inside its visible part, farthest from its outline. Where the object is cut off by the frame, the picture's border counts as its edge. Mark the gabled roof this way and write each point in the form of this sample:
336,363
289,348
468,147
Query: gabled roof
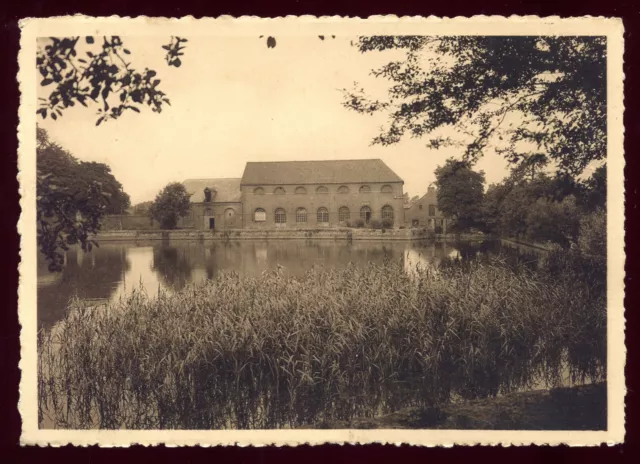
318,172
223,190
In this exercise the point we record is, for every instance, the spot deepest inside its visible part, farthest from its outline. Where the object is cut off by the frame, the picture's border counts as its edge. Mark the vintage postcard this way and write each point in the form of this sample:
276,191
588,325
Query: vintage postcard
321,230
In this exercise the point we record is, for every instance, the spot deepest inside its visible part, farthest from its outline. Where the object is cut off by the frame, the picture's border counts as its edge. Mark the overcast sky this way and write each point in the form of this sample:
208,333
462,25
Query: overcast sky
235,100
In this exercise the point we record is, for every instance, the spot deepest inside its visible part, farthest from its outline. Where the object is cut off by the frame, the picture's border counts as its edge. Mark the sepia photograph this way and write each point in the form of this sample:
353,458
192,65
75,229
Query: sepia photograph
357,230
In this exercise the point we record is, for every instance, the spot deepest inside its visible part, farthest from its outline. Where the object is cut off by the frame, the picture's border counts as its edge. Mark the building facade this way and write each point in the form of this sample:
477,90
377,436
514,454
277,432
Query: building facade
425,213
215,204
299,194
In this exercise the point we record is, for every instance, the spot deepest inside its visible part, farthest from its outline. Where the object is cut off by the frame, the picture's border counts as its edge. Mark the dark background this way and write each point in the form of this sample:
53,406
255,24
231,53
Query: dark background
11,11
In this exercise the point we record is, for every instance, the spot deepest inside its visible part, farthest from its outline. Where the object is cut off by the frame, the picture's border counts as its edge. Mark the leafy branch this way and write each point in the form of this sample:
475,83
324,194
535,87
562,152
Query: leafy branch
103,75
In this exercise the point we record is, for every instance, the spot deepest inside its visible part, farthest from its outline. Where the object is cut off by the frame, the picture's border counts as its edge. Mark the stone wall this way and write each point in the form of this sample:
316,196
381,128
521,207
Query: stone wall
129,222
269,234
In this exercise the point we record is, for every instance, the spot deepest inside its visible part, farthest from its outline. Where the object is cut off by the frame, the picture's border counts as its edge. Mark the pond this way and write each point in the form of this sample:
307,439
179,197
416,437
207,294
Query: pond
256,397
115,268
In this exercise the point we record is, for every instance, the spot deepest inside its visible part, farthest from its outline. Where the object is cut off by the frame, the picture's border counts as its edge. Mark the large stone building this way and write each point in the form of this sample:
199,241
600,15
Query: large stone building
299,194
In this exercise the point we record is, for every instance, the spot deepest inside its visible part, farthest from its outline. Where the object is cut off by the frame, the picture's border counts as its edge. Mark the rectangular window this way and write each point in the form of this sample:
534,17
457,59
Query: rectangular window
432,210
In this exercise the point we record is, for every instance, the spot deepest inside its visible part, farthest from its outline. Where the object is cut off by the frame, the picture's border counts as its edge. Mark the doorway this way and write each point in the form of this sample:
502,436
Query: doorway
212,223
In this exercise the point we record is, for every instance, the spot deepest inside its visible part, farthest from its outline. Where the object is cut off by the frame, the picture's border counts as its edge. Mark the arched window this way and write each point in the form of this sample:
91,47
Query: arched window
387,189
259,215
258,191
344,214
343,189
365,189
432,210
387,213
365,214
279,191
301,216
281,216
322,189
301,190
323,215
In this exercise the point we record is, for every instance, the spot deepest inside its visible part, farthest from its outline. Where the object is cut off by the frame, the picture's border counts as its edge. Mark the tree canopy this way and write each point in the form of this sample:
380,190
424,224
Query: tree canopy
546,208
460,192
170,204
78,175
68,207
554,85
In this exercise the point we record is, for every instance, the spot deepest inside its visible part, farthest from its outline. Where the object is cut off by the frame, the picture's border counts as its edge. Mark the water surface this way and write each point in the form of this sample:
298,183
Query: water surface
115,268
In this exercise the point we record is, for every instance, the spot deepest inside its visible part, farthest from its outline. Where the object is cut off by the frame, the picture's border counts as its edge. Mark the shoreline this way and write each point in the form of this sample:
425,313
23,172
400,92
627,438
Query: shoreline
284,234
582,407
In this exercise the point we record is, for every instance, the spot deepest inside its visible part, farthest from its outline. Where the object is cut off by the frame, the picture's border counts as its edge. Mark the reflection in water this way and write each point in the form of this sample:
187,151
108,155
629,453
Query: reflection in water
114,269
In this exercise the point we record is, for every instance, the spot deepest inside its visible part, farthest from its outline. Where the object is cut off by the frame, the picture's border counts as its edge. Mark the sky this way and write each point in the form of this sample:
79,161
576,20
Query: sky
234,100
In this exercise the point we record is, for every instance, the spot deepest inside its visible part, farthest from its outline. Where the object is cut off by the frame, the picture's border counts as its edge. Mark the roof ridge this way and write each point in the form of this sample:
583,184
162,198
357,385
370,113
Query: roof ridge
214,178
316,160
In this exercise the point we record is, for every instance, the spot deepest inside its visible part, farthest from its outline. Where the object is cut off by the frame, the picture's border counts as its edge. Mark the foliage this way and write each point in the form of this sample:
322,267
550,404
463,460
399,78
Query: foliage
547,208
72,196
170,204
142,209
593,233
271,41
594,193
278,351
77,175
460,193
65,218
80,71
554,85
387,224
553,221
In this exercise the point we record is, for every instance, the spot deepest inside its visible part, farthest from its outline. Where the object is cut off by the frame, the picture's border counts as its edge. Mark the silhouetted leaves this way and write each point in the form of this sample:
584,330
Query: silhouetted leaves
555,86
174,50
271,41
105,77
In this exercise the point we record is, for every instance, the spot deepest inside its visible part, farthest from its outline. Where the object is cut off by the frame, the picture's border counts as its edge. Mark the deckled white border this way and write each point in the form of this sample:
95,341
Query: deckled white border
309,25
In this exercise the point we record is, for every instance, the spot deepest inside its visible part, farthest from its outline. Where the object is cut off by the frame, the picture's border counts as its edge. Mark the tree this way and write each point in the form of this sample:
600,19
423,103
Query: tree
78,175
460,193
553,221
142,209
554,85
592,239
99,74
595,189
170,204
69,203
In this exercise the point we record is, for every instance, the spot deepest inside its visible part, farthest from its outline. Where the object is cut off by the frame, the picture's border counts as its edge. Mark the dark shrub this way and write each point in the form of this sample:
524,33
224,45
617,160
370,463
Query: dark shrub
359,223
375,224
387,223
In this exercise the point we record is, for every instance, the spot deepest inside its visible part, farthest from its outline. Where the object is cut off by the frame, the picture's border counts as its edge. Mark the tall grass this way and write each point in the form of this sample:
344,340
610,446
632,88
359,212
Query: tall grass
280,351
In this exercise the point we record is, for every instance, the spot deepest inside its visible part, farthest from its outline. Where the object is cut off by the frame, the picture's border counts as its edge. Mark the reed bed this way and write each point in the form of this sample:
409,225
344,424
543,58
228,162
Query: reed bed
280,351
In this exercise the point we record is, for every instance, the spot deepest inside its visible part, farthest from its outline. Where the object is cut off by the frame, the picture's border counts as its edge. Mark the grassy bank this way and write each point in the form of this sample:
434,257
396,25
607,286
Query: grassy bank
331,345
